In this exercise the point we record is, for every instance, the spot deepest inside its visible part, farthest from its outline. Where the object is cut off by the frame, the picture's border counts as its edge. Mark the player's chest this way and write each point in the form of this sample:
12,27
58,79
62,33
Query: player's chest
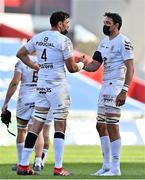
110,50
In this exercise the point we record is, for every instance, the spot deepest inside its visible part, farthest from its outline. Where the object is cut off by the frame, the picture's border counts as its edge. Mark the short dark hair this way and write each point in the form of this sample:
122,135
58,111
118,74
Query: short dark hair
116,18
58,16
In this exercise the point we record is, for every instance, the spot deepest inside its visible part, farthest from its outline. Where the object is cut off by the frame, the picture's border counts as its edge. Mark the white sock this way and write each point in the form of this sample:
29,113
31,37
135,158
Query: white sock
20,147
58,149
26,156
105,145
38,161
44,153
115,148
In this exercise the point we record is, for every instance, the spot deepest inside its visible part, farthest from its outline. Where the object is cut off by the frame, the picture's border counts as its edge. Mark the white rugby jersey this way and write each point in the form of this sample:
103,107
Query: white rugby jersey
29,78
114,53
52,49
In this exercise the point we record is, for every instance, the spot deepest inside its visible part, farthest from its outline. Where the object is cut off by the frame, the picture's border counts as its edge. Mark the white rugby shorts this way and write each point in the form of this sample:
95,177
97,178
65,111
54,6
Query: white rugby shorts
107,96
25,106
54,95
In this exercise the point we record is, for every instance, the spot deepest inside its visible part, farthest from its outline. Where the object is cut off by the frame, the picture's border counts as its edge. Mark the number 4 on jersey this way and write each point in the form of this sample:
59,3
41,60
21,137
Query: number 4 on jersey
43,56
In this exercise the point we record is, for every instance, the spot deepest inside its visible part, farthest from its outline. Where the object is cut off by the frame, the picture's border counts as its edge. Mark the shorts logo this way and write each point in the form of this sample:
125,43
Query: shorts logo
43,90
108,98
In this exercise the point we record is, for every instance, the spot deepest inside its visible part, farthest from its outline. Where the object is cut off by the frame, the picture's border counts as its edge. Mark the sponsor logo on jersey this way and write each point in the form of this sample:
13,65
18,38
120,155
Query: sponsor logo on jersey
46,66
47,44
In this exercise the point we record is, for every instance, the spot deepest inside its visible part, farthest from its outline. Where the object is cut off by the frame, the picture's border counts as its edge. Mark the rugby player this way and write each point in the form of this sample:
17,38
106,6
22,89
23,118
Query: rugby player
54,50
25,106
115,51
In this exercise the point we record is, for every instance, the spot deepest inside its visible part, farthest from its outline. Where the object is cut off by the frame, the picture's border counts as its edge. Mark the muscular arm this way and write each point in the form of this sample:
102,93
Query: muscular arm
22,54
130,71
11,89
93,66
120,99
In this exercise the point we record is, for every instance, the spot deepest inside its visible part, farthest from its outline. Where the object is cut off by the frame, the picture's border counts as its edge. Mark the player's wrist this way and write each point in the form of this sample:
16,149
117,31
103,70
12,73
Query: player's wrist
125,88
80,65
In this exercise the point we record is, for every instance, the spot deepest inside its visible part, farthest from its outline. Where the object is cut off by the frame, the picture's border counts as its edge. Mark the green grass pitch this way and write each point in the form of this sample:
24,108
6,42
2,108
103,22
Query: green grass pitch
81,161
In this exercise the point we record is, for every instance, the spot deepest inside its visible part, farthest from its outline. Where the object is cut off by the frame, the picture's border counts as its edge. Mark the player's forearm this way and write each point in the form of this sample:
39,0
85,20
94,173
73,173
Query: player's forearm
11,90
92,67
22,54
128,77
129,72
26,60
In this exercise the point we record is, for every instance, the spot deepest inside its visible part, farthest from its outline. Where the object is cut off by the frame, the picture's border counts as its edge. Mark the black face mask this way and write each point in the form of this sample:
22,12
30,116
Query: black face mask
106,30
64,32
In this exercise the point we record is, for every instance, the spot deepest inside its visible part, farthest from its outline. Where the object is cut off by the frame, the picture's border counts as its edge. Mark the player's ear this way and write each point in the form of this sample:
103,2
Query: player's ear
60,23
117,25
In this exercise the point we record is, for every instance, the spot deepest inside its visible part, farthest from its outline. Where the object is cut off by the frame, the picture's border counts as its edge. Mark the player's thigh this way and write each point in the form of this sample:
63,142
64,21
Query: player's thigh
41,107
49,118
60,102
23,114
24,111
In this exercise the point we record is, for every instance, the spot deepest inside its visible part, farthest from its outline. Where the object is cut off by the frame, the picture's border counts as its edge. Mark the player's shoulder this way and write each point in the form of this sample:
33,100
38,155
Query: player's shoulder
123,38
63,37
40,34
104,40
63,40
53,34
18,63
125,43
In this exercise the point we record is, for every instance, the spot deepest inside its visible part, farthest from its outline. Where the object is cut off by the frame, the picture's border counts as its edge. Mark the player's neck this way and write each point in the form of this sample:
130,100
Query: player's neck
113,35
55,29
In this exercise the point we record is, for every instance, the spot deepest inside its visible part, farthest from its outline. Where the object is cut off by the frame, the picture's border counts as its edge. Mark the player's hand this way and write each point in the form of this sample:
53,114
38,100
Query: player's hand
5,106
120,100
83,59
6,117
36,66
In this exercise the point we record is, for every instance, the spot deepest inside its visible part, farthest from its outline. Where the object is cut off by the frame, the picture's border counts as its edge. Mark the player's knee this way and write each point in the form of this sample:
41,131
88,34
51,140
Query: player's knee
22,132
40,115
113,131
102,129
101,125
60,126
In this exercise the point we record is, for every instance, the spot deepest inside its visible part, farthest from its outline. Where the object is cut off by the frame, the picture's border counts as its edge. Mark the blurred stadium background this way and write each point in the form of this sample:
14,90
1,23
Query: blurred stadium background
20,19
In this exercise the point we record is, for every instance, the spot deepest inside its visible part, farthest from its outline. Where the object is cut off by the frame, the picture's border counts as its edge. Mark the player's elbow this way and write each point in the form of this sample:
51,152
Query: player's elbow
18,55
72,69
22,53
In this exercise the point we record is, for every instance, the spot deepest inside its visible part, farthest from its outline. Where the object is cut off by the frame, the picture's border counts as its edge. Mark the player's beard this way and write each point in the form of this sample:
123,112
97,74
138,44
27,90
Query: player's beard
64,32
